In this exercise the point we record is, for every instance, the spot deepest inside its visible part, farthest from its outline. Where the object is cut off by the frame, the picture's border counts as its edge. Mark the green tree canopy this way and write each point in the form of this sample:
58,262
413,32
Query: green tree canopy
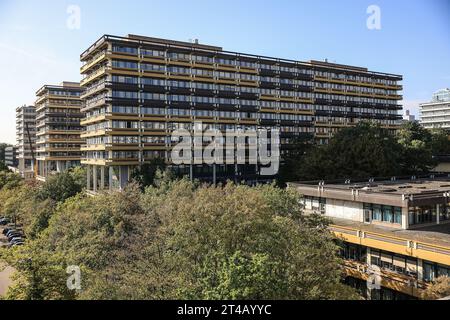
64,185
367,150
178,240
363,151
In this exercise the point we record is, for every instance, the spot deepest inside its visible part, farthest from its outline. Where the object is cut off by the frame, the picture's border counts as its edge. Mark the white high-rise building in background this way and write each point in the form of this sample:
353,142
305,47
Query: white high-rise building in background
26,139
436,114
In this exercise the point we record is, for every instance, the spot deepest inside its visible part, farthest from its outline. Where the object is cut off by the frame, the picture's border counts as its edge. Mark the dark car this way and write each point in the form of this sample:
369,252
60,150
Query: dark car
16,240
6,230
14,235
4,222
11,231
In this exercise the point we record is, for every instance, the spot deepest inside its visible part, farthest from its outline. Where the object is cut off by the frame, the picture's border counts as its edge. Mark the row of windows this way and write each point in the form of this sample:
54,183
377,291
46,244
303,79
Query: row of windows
204,73
64,93
185,98
394,262
205,59
188,112
428,214
206,86
344,98
377,212
253,65
215,114
358,78
150,154
341,87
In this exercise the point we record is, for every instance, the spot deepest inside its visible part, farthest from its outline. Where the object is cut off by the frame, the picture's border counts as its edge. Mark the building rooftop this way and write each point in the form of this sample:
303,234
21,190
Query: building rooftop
410,186
216,50
400,192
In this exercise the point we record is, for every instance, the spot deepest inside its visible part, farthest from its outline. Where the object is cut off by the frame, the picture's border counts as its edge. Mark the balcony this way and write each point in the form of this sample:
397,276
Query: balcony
94,75
407,284
414,243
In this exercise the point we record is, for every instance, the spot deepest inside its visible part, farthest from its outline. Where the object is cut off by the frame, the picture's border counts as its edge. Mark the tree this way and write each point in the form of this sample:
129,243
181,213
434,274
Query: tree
9,180
145,174
293,158
416,148
363,151
179,240
440,142
62,186
3,166
440,288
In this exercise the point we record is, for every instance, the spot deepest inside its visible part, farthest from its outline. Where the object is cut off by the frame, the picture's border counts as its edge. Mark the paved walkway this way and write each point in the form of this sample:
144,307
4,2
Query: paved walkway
5,280
5,273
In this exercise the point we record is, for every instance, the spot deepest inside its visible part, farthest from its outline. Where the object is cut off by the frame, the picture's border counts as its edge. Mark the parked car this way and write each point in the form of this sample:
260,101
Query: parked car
15,244
16,239
14,235
4,221
6,230
10,231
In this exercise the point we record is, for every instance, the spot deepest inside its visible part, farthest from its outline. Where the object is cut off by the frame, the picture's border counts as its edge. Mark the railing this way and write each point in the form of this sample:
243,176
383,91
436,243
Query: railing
410,247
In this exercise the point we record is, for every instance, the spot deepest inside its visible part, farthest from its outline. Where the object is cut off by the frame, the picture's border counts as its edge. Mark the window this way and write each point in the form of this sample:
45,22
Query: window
387,214
398,215
376,213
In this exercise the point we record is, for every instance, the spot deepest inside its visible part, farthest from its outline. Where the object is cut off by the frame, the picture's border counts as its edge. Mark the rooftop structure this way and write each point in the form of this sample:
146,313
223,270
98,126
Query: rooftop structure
401,226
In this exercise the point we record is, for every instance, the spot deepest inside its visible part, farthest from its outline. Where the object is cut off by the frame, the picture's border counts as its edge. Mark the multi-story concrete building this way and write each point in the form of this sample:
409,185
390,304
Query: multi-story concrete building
140,89
398,229
408,117
26,139
58,128
11,156
436,114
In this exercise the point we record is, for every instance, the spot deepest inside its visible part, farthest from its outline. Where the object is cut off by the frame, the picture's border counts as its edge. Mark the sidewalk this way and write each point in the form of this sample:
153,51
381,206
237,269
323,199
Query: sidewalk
5,280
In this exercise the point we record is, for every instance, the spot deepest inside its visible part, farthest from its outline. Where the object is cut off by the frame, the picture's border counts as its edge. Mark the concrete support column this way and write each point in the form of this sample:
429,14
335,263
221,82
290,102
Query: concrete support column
369,263
419,269
123,176
111,172
405,218
88,177
191,172
102,177
214,174
94,178
438,211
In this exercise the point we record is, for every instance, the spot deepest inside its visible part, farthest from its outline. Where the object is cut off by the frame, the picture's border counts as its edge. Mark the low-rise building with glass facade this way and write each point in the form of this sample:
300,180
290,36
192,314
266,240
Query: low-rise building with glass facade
399,226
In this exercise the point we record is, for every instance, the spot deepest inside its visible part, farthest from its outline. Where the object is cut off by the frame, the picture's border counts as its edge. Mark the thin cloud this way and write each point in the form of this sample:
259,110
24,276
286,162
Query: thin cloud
27,54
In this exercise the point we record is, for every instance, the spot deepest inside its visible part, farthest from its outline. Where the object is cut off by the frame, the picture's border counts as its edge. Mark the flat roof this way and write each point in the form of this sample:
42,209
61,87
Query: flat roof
65,85
217,49
400,187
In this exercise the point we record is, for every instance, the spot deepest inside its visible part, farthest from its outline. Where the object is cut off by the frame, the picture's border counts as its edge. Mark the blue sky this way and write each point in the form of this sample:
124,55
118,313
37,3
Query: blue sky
37,47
